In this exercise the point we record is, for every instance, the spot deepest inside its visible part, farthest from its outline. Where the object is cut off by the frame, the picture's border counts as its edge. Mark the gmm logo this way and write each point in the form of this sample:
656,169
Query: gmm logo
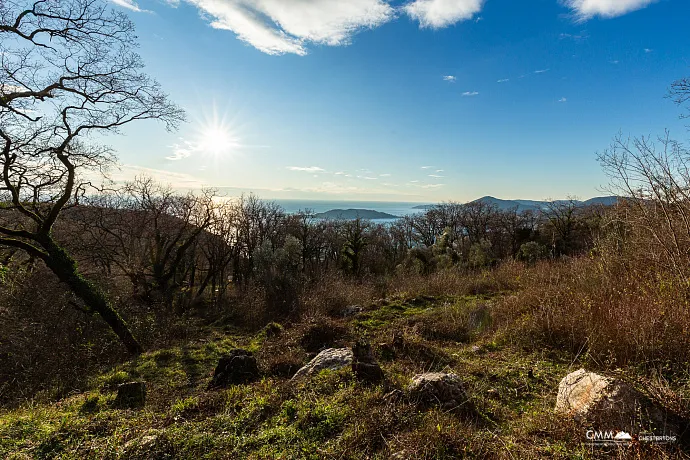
593,435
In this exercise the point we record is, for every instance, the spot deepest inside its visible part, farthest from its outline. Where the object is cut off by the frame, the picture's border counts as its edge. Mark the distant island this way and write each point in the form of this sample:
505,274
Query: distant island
425,207
354,214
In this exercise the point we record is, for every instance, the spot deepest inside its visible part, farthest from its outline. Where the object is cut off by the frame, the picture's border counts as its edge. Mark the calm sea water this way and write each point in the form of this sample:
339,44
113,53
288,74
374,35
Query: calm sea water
391,207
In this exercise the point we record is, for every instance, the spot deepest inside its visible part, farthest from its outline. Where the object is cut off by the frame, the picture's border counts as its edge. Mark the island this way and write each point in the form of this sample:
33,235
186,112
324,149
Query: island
354,214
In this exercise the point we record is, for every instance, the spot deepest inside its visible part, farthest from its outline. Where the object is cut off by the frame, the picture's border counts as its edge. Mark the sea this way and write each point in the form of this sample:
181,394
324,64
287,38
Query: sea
396,208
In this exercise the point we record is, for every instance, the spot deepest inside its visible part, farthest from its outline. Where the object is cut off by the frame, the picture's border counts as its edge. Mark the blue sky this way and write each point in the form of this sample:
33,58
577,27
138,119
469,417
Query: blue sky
415,100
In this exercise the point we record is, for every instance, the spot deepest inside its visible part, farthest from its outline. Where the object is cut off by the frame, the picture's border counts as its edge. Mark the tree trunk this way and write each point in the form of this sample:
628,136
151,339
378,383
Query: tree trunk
66,270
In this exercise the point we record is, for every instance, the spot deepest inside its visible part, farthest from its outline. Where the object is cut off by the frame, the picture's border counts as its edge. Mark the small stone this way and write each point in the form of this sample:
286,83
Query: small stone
352,310
131,395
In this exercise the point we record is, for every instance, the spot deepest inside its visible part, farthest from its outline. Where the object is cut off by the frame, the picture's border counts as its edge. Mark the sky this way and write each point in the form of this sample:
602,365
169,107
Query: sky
407,100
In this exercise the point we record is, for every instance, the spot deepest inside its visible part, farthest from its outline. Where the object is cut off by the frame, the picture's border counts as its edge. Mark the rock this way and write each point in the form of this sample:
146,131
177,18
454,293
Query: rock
237,367
352,310
439,389
331,358
364,365
608,402
131,395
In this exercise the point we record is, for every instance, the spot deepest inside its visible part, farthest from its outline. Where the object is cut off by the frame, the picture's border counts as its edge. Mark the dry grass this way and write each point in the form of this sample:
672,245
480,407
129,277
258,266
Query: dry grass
586,306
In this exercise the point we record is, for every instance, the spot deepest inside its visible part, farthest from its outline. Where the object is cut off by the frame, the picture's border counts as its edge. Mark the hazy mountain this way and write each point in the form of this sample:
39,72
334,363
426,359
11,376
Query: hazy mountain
533,205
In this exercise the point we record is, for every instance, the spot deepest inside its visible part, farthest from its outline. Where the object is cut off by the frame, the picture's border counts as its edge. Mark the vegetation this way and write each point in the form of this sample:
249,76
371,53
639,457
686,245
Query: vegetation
509,300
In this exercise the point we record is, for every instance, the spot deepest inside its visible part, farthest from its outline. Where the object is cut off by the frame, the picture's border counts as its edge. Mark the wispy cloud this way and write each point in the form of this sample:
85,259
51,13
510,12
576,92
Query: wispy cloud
577,37
435,176
563,99
433,185
426,167
310,169
541,71
127,173
281,27
339,173
130,5
437,14
587,9
439,170
449,78
384,175
614,62
470,93
647,50
503,80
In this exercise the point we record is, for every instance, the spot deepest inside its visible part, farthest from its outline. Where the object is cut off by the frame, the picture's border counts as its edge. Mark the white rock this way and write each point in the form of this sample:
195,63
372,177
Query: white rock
331,358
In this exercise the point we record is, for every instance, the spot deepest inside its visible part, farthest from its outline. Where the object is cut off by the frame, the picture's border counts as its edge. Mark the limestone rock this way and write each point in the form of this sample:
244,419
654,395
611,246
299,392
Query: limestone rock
331,358
439,389
237,367
609,402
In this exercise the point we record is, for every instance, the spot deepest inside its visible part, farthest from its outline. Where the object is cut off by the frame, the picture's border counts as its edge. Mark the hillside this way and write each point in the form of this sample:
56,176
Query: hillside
512,391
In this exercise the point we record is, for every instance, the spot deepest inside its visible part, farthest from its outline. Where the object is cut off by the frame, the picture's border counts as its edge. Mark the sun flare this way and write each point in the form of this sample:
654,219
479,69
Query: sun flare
218,140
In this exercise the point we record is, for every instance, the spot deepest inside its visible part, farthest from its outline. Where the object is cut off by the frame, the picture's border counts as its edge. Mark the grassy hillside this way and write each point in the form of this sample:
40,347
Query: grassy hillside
446,326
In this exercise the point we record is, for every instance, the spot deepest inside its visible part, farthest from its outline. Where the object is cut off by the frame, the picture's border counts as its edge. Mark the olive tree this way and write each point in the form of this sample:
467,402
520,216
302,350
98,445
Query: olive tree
69,72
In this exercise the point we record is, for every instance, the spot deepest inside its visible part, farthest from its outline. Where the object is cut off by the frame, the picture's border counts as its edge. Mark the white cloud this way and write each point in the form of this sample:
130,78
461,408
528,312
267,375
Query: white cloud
542,71
614,62
435,176
384,175
503,80
433,185
439,170
587,9
280,26
129,4
647,50
427,167
340,173
310,169
563,99
442,13
470,93
449,78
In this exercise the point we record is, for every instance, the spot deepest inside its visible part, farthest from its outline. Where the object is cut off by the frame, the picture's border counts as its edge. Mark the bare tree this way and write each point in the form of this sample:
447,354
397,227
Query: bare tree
68,71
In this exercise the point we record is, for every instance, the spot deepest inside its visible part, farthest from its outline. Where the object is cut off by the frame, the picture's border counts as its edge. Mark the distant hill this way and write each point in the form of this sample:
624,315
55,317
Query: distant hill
532,205
354,214
423,206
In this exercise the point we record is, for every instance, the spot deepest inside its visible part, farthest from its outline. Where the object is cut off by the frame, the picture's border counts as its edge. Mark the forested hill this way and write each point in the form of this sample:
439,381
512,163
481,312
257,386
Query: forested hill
354,214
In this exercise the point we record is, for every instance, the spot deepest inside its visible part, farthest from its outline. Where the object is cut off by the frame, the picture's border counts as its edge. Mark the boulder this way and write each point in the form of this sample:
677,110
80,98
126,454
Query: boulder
331,358
237,367
439,389
608,402
131,395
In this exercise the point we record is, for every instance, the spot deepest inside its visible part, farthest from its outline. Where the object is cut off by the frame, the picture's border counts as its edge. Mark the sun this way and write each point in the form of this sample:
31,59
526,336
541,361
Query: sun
218,140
